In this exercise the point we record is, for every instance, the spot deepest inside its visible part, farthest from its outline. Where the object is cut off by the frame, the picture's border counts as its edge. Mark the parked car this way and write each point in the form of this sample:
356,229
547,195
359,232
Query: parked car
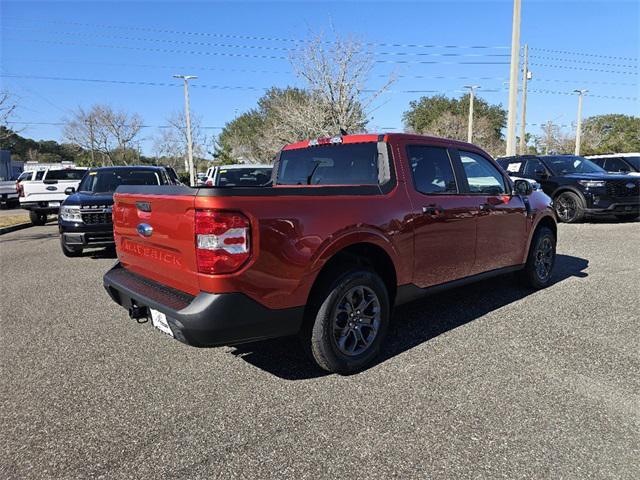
9,191
85,216
352,226
578,186
628,163
239,175
43,194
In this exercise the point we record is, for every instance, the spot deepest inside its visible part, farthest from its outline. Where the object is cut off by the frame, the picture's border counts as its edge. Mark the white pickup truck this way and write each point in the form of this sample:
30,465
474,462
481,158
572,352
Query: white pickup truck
43,196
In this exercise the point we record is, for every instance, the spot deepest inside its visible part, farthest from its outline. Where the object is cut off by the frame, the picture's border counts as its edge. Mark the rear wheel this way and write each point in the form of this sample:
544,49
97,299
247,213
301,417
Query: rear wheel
350,323
70,251
538,270
569,207
37,218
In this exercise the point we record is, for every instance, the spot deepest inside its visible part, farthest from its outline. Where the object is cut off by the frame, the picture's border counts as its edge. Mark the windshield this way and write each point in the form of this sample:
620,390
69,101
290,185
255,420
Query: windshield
572,164
243,177
108,179
634,161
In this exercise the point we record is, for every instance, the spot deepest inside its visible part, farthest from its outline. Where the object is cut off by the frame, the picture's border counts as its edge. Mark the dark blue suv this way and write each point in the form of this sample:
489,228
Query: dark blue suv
578,186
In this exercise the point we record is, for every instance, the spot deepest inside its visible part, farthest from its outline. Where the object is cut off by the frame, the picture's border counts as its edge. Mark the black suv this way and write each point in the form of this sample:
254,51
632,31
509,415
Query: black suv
578,186
84,219
618,163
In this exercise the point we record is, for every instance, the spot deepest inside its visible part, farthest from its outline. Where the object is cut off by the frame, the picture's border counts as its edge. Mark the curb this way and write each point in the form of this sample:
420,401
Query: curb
13,228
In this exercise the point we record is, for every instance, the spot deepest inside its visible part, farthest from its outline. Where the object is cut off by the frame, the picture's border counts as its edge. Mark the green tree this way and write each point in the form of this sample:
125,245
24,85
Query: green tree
447,117
611,133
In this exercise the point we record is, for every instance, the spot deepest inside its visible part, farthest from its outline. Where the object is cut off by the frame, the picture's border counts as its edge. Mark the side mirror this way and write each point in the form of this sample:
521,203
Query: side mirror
522,187
69,190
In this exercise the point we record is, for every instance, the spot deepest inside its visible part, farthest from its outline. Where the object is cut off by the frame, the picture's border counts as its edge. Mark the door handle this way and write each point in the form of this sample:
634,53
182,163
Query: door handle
433,210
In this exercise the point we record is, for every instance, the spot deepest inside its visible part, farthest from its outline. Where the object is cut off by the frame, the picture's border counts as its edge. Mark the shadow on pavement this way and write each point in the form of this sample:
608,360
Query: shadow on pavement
413,323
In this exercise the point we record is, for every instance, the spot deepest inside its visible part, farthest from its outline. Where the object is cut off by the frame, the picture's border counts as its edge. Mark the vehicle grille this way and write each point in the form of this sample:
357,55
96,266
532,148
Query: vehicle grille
95,214
618,188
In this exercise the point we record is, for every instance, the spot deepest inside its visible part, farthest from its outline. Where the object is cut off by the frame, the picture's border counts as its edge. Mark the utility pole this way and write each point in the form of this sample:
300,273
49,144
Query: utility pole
526,75
513,79
186,79
91,140
579,120
472,89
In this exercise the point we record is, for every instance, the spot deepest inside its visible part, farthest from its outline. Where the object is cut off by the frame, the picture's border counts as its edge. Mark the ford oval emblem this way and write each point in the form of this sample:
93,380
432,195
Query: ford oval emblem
630,185
51,189
144,229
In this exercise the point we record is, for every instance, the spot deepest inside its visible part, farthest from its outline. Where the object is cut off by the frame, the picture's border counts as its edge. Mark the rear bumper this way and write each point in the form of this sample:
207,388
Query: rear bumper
40,207
208,319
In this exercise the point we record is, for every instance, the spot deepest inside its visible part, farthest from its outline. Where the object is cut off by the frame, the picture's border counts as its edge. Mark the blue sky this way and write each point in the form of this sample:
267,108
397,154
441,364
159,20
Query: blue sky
574,44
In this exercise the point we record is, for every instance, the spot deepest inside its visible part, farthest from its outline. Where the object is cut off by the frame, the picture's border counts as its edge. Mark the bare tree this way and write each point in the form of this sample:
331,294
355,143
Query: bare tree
7,109
336,73
554,140
103,130
171,141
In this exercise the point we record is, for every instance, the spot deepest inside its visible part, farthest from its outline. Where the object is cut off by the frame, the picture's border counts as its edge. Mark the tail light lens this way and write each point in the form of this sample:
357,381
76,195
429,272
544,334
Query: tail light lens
209,183
20,189
222,241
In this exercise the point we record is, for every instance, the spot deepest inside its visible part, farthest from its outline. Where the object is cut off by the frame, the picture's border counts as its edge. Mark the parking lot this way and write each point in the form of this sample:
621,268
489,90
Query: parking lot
489,381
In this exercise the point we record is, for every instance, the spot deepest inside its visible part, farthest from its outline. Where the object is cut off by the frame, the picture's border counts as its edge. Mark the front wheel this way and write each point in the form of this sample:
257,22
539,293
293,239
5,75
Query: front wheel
569,207
37,218
541,259
351,322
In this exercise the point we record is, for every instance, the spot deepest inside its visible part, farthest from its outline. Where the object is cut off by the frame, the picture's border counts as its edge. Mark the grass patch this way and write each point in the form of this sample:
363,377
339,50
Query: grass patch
9,220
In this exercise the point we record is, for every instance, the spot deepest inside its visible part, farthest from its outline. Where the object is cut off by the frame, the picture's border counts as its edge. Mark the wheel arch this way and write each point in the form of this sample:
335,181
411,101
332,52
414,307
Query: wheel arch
364,254
568,188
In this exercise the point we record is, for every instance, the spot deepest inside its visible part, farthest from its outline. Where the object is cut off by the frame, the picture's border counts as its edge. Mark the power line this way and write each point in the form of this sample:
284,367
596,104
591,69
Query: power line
587,62
253,37
570,67
239,55
577,82
610,97
254,47
141,126
633,59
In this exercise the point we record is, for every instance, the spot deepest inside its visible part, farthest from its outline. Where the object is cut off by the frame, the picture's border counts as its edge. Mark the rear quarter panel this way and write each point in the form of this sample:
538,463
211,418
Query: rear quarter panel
294,236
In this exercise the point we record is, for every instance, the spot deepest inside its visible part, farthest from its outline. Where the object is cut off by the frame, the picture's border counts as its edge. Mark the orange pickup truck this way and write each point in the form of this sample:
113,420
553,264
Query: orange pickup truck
348,227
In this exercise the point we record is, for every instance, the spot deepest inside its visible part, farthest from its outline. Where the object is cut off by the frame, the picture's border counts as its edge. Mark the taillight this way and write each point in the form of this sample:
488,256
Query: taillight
209,183
20,189
222,241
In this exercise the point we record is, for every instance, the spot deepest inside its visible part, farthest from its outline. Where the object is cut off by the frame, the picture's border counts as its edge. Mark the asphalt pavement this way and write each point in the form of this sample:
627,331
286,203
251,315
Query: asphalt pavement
486,381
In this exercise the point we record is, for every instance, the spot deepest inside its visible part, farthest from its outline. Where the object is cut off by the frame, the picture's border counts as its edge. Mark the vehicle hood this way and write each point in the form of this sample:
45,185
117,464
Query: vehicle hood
597,176
83,198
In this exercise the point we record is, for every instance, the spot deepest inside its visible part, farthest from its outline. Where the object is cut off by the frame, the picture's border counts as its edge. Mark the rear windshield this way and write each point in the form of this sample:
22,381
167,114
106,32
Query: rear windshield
65,174
351,164
107,180
243,177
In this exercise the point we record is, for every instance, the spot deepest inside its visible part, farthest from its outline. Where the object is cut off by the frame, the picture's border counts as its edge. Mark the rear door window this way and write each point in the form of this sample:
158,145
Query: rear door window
533,165
482,176
350,164
431,169
615,165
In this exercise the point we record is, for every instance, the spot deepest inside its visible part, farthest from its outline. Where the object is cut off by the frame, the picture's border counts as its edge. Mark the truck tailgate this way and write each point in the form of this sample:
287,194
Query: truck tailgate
166,253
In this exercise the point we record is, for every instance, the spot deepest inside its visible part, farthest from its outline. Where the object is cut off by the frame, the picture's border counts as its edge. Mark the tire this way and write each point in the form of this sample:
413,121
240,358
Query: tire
627,217
344,338
37,218
569,207
68,251
538,270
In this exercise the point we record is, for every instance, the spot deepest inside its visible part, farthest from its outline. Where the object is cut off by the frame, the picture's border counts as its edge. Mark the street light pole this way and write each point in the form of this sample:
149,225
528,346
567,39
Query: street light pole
579,120
513,80
472,89
186,79
526,75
